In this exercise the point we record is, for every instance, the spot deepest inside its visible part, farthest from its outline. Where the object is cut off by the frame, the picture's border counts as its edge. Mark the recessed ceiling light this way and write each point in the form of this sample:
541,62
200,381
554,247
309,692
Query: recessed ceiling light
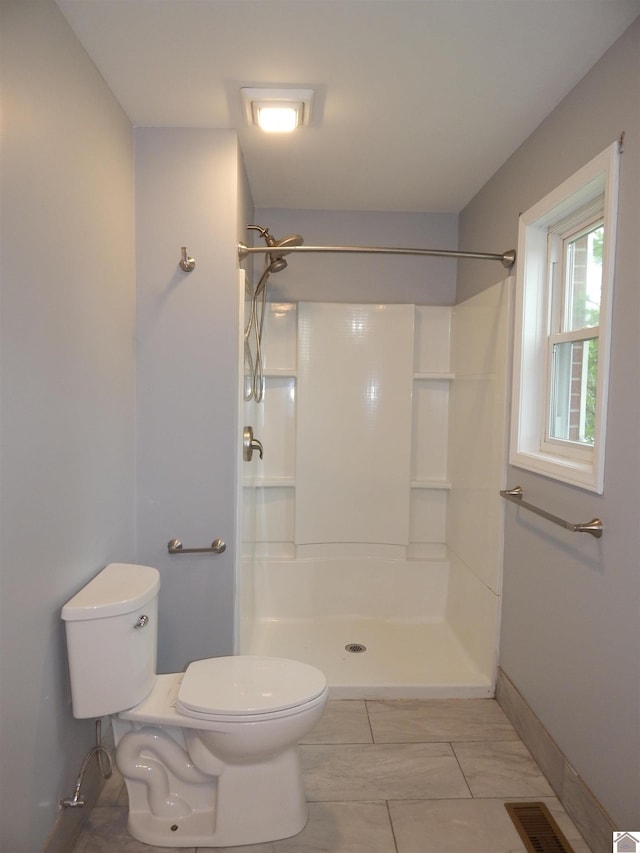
277,110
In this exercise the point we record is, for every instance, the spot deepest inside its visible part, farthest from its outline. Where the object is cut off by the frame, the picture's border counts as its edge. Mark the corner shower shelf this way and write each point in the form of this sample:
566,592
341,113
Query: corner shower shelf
280,371
290,482
271,482
431,484
443,377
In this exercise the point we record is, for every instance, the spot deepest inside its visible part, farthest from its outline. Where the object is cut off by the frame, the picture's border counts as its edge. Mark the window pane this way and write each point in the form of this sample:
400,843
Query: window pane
583,281
573,391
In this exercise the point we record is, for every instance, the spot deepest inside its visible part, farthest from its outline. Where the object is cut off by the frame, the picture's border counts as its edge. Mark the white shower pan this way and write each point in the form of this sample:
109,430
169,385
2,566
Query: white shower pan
394,609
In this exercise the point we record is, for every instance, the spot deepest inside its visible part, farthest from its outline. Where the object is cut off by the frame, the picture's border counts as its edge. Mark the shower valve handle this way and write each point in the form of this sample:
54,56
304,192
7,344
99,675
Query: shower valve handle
249,444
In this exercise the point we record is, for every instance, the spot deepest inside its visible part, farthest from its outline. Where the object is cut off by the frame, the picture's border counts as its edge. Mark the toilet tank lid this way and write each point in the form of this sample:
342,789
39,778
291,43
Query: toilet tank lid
119,588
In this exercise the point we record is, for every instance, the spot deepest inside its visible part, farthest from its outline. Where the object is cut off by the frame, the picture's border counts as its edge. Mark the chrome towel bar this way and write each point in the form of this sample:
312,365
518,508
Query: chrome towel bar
594,527
216,547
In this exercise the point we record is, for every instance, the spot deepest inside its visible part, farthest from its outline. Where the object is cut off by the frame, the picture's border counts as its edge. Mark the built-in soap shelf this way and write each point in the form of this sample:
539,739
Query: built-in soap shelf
286,372
444,377
289,483
275,372
431,484
272,482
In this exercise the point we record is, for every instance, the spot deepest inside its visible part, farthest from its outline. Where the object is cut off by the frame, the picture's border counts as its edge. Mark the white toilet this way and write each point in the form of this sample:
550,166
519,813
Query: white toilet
209,756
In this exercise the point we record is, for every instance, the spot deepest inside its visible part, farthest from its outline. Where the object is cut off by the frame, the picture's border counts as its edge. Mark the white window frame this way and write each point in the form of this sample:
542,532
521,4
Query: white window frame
584,220
578,464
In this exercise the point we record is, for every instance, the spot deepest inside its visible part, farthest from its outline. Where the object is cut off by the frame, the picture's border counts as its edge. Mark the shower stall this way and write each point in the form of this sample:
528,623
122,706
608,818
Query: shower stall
372,524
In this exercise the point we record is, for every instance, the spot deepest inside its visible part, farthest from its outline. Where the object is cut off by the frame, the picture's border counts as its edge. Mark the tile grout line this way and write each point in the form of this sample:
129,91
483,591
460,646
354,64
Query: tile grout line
393,831
386,802
464,775
366,708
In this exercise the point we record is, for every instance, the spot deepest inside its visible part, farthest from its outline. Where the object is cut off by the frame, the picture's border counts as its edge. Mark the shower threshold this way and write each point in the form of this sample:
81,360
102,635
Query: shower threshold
401,660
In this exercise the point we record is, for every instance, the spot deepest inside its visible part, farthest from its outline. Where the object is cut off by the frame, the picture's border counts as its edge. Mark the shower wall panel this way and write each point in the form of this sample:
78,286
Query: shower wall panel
364,587
430,419
428,520
283,482
477,464
429,434
354,410
477,442
432,339
275,426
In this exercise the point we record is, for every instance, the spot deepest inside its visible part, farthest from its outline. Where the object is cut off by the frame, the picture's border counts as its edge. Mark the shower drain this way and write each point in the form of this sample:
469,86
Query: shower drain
355,648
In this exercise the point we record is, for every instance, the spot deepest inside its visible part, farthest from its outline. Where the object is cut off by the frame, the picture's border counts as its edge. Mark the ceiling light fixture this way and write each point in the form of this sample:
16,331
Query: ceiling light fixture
277,110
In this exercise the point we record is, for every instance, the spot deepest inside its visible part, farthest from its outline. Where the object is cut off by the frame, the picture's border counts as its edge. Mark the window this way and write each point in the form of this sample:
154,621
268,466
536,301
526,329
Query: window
572,358
563,318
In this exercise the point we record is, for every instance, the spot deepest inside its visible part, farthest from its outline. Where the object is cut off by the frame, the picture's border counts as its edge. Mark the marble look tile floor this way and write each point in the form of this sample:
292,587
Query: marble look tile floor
396,776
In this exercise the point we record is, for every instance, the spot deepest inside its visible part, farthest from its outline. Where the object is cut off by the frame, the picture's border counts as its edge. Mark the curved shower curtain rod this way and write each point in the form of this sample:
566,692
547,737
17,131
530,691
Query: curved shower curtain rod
507,259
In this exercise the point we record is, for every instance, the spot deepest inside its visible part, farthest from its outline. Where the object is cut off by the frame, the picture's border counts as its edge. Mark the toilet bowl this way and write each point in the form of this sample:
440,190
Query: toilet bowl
209,756
235,721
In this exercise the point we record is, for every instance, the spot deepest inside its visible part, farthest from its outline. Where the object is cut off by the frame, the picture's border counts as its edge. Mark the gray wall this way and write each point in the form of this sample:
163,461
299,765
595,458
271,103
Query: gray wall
67,386
571,633
190,191
363,278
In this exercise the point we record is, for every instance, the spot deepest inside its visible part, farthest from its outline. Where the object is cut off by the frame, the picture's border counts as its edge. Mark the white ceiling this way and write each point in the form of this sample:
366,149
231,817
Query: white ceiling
418,102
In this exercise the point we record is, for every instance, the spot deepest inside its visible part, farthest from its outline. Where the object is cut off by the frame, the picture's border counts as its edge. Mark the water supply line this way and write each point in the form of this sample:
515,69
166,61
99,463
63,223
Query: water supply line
255,389
273,262
102,752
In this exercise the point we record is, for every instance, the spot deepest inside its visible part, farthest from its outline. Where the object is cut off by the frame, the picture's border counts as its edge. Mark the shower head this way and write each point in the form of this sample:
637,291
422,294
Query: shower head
277,257
281,246
272,266
285,243
277,264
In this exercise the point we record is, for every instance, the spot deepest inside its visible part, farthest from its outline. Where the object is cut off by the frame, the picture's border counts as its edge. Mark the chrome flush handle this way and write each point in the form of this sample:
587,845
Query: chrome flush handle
142,621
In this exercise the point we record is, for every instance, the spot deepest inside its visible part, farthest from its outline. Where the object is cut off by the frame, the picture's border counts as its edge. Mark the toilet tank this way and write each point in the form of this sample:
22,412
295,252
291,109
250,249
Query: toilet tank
111,646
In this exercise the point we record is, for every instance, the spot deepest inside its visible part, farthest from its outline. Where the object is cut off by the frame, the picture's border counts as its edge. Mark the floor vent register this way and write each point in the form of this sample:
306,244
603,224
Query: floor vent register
537,828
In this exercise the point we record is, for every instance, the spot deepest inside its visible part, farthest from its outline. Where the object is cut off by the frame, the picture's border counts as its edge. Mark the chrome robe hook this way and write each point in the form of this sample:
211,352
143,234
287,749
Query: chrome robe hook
186,263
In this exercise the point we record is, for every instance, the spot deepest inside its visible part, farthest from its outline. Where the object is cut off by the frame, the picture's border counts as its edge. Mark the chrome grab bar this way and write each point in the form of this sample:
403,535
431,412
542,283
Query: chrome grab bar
594,527
216,547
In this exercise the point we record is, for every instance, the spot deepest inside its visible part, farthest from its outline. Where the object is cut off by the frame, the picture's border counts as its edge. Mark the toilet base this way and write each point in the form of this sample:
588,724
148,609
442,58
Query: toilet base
244,804
197,830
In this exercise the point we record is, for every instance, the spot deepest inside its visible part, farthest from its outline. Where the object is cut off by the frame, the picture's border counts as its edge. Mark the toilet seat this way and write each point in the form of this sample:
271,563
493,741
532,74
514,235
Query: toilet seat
248,687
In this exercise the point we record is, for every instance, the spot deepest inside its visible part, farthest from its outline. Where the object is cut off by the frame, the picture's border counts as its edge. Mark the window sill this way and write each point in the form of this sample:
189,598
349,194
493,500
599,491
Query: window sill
571,471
